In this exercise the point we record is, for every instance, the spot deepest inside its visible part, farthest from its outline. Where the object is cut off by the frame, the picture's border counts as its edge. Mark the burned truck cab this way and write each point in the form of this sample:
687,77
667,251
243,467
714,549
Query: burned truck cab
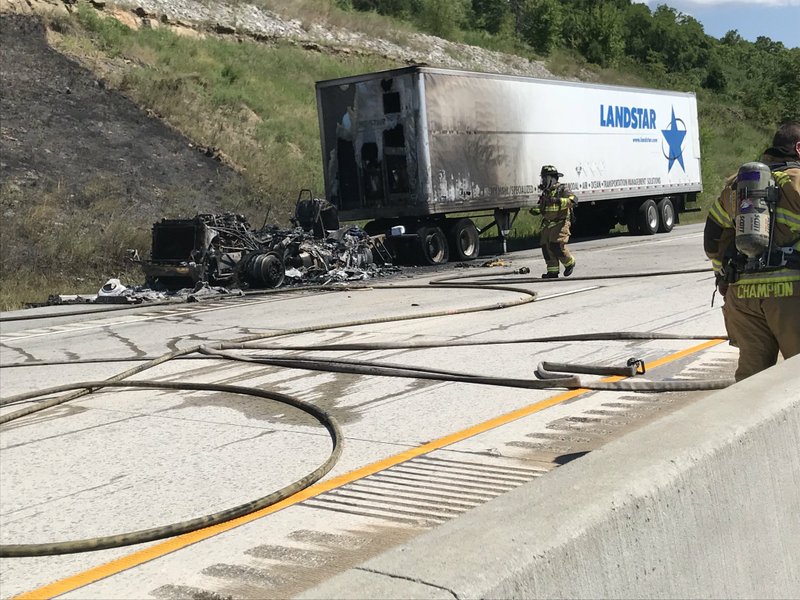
216,249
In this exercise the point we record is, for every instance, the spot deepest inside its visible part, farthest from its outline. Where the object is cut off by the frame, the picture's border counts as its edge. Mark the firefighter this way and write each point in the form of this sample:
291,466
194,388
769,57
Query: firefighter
556,204
762,304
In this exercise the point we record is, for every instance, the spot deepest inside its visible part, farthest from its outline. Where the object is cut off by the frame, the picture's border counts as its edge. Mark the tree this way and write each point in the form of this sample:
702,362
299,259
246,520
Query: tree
494,16
715,78
539,24
680,39
600,34
767,45
789,85
403,9
731,38
638,26
442,18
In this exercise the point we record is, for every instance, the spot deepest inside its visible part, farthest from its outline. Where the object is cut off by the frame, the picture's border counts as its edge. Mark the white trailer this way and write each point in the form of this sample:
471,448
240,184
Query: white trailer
419,150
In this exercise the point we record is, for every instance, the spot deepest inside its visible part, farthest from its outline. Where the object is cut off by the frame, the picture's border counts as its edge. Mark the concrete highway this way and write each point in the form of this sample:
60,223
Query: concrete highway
416,453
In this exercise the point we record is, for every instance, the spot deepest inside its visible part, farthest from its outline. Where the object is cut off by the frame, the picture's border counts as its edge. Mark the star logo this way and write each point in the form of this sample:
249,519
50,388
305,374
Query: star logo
674,138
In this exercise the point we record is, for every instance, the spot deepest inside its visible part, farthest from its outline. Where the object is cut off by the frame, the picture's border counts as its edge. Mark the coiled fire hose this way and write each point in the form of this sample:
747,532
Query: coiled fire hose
221,350
157,533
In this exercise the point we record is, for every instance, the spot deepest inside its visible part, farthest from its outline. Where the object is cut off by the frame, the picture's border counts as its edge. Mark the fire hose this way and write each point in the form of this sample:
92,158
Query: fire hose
549,379
157,533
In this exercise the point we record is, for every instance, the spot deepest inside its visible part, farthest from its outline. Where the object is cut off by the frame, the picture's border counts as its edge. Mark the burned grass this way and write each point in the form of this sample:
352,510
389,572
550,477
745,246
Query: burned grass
131,126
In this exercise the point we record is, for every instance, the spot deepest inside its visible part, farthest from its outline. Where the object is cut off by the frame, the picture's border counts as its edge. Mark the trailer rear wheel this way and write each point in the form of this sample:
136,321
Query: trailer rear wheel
666,212
433,245
464,240
648,217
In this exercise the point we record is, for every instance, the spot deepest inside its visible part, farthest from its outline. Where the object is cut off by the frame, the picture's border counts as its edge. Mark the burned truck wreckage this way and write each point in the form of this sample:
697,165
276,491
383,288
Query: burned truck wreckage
224,250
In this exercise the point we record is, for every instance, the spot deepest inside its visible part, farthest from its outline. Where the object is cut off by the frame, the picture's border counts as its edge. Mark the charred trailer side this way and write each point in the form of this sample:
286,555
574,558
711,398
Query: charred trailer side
419,151
392,156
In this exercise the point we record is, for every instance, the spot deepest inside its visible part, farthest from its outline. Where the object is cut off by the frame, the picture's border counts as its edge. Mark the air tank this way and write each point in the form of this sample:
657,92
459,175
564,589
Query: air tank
753,184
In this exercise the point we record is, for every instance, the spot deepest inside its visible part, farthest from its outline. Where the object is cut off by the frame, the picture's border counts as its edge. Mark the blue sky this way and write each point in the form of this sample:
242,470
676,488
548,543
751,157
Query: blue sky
776,19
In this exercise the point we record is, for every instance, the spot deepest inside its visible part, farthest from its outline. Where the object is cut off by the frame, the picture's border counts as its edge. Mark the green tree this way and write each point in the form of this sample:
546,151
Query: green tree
680,39
715,77
442,18
402,9
766,44
731,38
788,84
598,33
539,24
638,26
493,16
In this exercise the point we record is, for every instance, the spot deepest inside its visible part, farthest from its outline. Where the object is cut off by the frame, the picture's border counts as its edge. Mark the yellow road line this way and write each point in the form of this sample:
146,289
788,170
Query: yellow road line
177,543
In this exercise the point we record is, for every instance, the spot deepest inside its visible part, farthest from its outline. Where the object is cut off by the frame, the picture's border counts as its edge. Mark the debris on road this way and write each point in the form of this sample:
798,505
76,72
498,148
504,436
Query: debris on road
215,254
225,250
138,294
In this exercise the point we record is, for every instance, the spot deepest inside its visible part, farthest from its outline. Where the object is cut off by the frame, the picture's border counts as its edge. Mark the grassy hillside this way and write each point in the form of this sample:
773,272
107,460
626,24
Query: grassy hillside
252,105
253,101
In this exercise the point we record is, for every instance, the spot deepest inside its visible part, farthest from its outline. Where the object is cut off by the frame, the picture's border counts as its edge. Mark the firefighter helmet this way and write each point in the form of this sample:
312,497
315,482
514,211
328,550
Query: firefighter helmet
551,171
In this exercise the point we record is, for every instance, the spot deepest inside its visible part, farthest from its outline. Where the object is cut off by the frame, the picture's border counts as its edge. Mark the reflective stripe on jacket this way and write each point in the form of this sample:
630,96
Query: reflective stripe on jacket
774,283
556,204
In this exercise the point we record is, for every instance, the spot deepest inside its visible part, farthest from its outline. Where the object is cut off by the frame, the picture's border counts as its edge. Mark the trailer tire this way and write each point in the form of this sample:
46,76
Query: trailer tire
666,214
464,239
648,217
433,245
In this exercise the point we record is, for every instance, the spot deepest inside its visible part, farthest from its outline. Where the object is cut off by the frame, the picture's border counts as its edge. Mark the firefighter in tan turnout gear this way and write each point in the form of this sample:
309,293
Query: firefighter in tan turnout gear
752,236
556,204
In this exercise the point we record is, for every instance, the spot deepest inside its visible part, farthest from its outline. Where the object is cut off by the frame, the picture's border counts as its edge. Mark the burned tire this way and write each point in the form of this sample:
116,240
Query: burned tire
265,270
666,213
433,248
648,218
464,240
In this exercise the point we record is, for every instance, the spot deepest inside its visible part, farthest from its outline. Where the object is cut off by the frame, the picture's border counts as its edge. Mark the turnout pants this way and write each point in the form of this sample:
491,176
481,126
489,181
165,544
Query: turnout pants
554,238
760,328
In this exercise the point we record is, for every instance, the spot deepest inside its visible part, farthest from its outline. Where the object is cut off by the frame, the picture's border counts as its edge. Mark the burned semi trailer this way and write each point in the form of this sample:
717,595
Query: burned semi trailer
418,152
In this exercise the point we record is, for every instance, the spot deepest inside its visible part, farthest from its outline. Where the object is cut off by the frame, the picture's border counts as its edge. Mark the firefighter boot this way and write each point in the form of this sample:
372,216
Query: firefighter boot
569,268
550,275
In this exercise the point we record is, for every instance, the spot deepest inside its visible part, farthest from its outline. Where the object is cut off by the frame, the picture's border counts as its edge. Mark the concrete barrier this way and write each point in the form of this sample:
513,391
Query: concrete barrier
704,503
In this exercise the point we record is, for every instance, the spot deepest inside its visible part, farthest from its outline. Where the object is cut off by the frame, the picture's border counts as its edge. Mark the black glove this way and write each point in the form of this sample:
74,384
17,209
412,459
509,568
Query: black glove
722,285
